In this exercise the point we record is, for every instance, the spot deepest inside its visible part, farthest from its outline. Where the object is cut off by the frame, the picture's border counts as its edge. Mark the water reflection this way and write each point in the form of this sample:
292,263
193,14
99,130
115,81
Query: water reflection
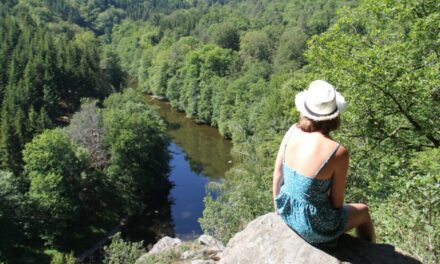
188,193
199,155
205,149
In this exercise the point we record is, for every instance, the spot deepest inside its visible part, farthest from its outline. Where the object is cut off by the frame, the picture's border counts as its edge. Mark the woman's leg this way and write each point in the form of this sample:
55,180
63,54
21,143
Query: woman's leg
359,218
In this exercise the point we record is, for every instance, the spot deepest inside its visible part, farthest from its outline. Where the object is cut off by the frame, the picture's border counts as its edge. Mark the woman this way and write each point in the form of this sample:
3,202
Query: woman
311,169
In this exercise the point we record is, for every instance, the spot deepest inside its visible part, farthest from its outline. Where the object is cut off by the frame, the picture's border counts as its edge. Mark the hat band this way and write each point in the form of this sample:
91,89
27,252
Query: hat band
316,114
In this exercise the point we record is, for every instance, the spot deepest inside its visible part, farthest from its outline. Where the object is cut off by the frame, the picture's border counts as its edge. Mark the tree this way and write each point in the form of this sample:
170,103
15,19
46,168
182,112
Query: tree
11,213
400,64
159,73
111,68
289,54
86,129
53,165
138,154
226,36
256,45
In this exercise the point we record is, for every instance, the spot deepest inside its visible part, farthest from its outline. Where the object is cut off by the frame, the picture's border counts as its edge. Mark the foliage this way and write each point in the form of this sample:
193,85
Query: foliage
53,165
11,211
138,152
256,45
232,64
63,192
414,211
120,251
60,258
240,195
226,35
44,74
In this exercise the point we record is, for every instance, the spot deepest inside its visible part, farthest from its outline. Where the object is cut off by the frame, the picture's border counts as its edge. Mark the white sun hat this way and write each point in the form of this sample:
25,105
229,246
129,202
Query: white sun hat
320,101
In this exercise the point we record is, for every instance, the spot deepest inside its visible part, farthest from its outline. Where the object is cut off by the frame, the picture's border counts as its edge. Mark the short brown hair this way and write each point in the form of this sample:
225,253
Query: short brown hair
308,125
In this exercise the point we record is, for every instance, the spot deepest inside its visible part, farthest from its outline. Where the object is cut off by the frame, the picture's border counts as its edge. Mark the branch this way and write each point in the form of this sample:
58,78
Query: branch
407,115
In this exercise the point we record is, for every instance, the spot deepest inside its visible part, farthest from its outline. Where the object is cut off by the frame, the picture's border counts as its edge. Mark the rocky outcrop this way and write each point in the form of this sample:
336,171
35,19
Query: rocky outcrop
165,244
268,239
206,250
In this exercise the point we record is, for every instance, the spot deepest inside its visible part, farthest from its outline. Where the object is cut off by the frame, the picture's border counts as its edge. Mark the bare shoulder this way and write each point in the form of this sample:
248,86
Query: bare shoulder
342,153
341,162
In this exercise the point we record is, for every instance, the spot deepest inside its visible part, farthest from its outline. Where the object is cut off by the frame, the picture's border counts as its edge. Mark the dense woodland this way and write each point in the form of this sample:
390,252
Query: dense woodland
68,134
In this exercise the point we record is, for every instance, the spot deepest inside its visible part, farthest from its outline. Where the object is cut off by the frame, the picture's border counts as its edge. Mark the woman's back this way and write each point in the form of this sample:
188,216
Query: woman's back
311,169
308,152
303,201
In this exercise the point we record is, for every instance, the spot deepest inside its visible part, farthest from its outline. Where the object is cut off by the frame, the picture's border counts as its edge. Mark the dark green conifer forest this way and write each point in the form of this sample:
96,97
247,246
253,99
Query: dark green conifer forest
79,150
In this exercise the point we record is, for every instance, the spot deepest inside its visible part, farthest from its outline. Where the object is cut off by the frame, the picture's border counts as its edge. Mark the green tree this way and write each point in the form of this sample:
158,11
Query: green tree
53,165
256,45
289,54
11,213
110,66
138,154
159,72
226,36
200,66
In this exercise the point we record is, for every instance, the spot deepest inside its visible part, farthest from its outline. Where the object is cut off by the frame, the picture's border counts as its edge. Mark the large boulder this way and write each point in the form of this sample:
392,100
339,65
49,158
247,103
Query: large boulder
268,239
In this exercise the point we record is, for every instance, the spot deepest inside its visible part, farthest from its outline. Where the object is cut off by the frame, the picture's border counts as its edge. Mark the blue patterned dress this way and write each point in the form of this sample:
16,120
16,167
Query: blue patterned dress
304,205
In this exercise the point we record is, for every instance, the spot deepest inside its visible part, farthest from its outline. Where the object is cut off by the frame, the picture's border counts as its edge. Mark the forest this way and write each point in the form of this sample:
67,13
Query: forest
78,149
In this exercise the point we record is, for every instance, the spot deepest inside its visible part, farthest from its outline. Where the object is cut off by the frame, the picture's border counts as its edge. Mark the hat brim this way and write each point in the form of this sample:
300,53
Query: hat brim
300,106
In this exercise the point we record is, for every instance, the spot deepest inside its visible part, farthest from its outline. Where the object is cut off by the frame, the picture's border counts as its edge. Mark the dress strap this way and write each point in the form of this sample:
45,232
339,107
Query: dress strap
287,141
326,161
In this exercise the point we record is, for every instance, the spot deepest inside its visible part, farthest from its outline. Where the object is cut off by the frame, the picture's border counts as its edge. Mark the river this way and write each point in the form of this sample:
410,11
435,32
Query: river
199,155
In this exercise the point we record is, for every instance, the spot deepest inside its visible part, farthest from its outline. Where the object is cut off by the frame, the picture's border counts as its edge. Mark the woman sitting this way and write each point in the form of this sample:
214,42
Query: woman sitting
311,170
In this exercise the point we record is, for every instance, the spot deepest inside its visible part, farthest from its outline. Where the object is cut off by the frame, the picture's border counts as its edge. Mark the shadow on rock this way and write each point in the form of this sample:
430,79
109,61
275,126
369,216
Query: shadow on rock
267,239
354,250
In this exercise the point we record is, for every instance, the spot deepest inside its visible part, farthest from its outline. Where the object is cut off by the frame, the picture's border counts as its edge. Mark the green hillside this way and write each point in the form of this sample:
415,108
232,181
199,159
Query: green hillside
235,65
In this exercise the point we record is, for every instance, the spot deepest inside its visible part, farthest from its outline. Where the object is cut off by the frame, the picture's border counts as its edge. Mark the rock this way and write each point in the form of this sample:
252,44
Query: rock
165,244
268,239
211,242
203,261
189,254
159,98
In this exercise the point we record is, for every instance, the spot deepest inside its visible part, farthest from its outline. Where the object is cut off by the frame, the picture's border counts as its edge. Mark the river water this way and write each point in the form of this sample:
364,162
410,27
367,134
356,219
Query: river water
199,155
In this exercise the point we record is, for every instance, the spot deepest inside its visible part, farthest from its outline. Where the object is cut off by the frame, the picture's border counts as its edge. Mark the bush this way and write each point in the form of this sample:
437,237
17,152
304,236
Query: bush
120,251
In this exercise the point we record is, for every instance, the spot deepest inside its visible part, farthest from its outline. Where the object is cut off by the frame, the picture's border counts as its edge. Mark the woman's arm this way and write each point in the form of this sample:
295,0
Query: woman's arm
278,175
278,170
337,191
